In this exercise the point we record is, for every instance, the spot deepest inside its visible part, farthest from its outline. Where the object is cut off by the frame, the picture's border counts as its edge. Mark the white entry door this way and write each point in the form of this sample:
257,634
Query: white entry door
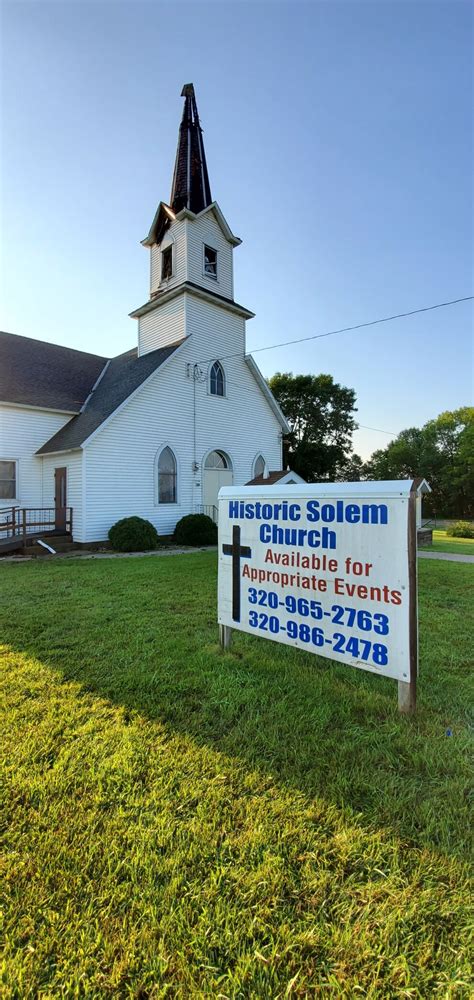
217,473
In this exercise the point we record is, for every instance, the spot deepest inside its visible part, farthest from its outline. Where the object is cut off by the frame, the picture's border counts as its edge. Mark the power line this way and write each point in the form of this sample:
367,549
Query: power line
332,333
379,429
239,389
344,329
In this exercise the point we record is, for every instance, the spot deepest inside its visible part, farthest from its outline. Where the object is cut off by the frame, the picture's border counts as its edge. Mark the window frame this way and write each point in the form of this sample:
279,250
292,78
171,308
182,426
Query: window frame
217,395
254,463
9,501
208,274
224,454
168,249
166,503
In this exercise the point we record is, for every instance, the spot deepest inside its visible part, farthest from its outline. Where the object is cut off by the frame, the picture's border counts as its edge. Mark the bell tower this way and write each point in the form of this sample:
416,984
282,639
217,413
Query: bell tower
190,242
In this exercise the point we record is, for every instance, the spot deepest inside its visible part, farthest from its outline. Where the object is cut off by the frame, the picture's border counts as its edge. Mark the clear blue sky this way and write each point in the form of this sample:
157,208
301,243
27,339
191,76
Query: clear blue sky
339,143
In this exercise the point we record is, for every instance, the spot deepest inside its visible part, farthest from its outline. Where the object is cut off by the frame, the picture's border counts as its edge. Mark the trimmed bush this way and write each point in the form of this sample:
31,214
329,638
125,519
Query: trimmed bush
133,534
461,529
196,529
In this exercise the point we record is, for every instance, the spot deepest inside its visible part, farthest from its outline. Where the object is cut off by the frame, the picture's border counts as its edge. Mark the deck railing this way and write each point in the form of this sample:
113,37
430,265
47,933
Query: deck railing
22,522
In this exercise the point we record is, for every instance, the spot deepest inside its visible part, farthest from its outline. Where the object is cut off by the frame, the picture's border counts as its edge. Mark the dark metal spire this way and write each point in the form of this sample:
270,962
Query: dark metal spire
191,188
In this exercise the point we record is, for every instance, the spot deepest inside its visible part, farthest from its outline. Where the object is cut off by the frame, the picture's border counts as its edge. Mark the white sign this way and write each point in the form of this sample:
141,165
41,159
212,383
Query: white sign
329,568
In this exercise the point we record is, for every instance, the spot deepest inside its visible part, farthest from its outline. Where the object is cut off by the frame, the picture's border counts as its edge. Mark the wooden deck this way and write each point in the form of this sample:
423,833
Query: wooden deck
22,526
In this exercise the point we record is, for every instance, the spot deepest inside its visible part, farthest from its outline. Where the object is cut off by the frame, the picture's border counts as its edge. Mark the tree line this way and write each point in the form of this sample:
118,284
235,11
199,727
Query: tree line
321,416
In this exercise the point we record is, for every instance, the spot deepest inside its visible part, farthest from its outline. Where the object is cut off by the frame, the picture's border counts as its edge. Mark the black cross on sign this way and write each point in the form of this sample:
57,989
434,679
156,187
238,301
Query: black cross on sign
238,552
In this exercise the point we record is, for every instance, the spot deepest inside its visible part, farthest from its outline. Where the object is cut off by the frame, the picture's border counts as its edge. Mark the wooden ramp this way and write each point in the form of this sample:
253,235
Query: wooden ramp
21,527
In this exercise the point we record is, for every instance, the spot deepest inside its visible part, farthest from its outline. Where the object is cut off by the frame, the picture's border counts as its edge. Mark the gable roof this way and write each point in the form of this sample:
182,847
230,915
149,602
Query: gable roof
281,476
122,376
212,209
164,216
35,373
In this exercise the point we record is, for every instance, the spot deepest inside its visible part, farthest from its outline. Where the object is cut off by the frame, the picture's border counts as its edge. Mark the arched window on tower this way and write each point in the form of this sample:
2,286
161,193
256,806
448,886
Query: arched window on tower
167,477
258,466
217,380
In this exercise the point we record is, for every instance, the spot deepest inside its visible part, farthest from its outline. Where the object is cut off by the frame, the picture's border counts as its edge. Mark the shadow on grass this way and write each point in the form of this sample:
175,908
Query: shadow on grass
142,633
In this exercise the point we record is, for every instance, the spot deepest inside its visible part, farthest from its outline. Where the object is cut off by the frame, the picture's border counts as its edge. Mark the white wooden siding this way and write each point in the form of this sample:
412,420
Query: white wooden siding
188,238
175,235
164,325
72,461
120,459
22,432
206,230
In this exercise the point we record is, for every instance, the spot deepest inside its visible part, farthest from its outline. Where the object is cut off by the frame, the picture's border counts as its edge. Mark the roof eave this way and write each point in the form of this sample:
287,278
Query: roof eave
38,406
57,451
149,240
214,207
179,346
267,392
50,447
191,290
185,213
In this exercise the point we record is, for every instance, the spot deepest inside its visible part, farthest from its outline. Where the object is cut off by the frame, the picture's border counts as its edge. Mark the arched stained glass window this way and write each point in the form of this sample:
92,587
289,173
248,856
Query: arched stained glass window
167,477
216,460
217,380
259,466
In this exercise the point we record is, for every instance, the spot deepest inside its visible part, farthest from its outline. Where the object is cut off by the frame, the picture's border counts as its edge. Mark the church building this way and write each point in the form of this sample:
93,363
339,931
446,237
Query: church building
156,431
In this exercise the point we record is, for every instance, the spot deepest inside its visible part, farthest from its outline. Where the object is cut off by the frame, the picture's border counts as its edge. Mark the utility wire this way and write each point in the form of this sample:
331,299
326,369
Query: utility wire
379,429
239,389
344,329
332,333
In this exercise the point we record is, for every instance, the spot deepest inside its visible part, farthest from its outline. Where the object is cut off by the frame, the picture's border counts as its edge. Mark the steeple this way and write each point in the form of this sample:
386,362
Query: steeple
190,188
190,241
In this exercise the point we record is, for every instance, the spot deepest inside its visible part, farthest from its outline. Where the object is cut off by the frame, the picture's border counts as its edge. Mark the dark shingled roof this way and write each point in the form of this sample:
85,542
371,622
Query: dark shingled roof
190,188
39,374
270,480
122,376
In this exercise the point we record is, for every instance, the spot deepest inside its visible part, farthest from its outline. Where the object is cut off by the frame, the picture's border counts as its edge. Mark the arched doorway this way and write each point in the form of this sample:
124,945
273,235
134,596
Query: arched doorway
217,472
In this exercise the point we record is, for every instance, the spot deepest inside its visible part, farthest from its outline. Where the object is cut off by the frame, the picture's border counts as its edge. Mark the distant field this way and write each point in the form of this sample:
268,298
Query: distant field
445,543
184,823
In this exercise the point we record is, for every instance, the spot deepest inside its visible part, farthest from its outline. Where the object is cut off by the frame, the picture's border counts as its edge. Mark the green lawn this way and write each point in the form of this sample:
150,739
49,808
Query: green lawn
184,823
445,543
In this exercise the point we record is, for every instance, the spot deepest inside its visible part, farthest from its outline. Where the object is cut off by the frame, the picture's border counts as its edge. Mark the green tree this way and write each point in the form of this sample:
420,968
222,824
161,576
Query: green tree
442,452
351,470
320,414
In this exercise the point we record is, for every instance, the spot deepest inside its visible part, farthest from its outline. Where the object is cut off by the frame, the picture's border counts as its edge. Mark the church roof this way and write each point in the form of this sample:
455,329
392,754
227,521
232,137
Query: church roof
121,377
190,188
47,376
275,477
269,480
34,373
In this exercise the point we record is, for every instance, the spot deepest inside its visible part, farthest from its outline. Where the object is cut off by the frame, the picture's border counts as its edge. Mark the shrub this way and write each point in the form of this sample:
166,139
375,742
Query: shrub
133,534
461,529
196,529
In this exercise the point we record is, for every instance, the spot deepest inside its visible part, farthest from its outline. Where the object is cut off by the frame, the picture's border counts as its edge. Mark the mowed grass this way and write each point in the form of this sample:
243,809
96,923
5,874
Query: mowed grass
183,823
443,542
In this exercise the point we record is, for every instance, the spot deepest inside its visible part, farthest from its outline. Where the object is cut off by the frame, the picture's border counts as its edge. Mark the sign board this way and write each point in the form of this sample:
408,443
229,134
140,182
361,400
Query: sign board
329,568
